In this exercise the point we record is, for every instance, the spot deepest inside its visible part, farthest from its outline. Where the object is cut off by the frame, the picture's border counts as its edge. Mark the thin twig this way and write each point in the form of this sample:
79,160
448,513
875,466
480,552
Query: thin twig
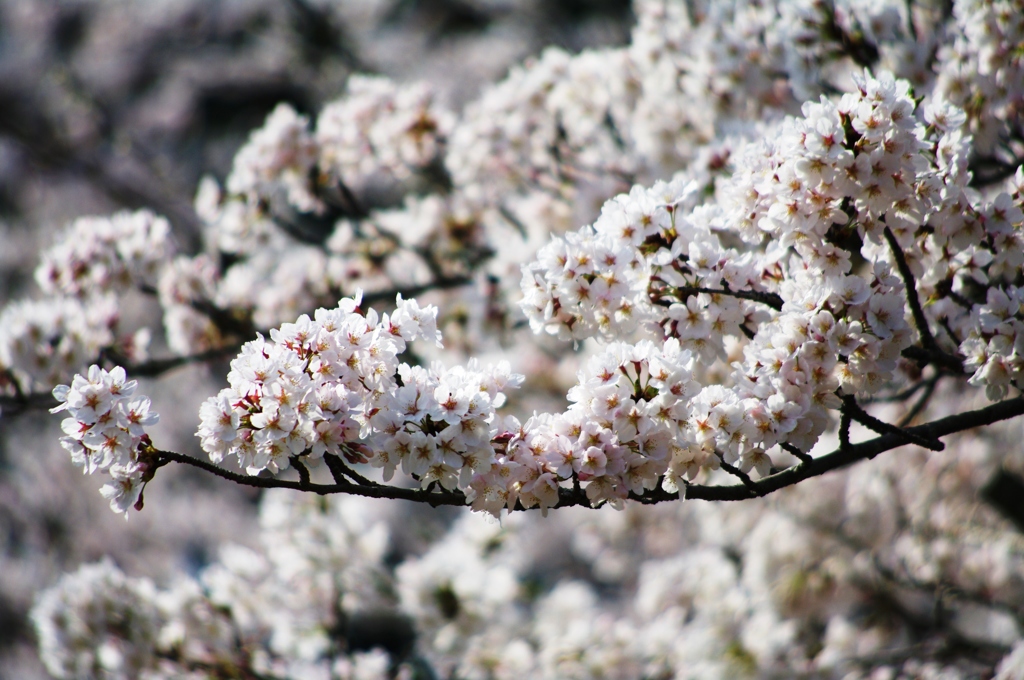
337,467
903,394
158,367
937,357
736,472
851,407
442,283
930,352
772,300
945,289
910,284
432,498
920,404
795,452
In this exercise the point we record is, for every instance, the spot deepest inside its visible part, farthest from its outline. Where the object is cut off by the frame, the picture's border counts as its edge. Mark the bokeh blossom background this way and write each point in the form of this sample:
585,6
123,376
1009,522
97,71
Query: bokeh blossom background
108,105
300,151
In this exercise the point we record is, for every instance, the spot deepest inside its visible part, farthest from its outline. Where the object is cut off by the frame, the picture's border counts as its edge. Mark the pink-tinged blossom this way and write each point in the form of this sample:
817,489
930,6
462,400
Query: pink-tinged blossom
106,426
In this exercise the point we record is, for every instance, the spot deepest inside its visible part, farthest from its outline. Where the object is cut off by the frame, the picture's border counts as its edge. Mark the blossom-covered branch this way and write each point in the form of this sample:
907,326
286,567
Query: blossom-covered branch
820,261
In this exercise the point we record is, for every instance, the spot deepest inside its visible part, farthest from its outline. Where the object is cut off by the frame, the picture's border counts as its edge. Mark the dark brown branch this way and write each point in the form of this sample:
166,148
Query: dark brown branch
842,457
910,284
441,283
812,467
510,217
14,404
855,45
239,669
795,452
301,469
845,420
736,472
945,289
338,469
851,407
432,498
905,393
225,319
1004,491
990,170
18,403
921,402
128,181
937,357
931,352
773,300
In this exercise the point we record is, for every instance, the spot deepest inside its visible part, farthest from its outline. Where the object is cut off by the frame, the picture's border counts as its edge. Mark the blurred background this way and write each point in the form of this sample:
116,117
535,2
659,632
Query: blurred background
111,104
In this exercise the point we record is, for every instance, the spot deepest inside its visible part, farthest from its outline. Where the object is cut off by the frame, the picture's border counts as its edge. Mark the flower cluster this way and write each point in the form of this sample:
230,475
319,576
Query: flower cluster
628,421
594,282
45,342
553,118
377,130
280,154
106,430
538,151
334,385
858,250
787,292
184,283
980,72
380,129
995,345
106,254
458,588
310,213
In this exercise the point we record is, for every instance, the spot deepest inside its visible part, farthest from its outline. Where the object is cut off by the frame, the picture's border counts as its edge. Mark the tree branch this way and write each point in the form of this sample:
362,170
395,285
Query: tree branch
851,407
906,393
927,339
301,469
937,357
441,283
921,402
736,472
773,300
931,352
157,367
795,452
841,457
844,429
432,498
340,471
811,467
14,404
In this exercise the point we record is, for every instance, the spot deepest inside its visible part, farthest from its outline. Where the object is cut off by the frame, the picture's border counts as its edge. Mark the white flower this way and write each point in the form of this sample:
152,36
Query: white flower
123,491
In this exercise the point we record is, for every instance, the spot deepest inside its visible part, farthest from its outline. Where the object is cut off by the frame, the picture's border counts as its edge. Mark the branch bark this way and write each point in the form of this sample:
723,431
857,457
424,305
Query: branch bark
811,467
